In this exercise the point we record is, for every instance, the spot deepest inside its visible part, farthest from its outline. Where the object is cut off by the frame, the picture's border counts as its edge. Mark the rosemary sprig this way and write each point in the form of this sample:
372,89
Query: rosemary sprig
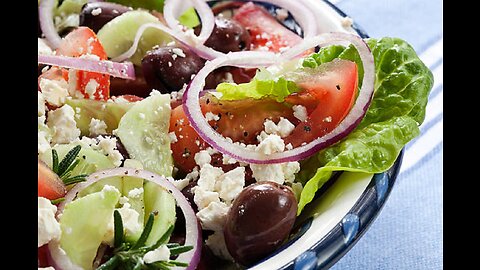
65,167
130,256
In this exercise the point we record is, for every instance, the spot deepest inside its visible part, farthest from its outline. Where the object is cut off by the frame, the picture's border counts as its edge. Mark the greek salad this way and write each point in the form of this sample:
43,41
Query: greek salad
192,134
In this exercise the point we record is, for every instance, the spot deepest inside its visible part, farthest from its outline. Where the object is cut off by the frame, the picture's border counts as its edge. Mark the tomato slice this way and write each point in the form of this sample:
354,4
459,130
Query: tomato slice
265,31
240,120
328,96
187,143
81,42
50,186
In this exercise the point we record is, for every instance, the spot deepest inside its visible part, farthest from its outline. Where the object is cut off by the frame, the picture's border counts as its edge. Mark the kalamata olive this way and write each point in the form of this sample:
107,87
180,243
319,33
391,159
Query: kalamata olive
121,148
259,220
168,68
96,14
227,36
137,87
189,194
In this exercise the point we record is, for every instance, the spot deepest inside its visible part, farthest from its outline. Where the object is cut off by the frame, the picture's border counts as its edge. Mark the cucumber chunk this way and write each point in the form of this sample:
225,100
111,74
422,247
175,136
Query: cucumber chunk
108,112
84,223
157,199
117,35
143,131
70,6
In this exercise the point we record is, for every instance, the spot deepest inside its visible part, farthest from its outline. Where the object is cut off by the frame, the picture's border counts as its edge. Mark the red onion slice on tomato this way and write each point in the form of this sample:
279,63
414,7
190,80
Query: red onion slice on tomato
45,16
199,123
193,235
121,70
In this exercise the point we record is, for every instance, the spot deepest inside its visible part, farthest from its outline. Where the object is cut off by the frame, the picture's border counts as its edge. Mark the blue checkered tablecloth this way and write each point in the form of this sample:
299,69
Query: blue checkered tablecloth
408,233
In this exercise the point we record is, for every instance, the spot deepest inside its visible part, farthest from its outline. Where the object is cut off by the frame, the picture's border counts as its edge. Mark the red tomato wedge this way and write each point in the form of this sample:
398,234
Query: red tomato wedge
50,186
328,93
240,120
328,96
265,30
82,42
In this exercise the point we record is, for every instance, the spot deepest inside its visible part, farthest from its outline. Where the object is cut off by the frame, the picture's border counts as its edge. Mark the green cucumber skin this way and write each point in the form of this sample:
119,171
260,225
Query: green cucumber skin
84,223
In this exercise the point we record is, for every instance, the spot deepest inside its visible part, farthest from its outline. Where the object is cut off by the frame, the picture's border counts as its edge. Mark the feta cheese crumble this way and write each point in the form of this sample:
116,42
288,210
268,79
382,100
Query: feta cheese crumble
62,124
41,104
97,127
300,112
283,128
43,47
162,253
54,91
48,226
131,224
271,144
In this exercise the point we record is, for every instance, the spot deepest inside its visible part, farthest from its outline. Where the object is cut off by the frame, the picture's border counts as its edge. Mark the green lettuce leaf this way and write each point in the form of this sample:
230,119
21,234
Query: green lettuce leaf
258,88
402,86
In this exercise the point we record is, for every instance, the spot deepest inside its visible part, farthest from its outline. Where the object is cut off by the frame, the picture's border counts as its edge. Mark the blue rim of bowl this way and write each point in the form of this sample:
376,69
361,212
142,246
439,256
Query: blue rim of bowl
338,241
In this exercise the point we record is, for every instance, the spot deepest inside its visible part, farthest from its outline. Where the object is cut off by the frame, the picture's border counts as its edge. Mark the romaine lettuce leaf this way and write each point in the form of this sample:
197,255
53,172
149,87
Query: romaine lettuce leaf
402,86
257,88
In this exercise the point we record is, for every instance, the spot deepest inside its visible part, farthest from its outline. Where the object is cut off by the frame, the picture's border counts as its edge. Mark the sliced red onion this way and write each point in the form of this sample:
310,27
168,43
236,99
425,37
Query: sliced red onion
121,70
174,9
45,16
193,235
191,104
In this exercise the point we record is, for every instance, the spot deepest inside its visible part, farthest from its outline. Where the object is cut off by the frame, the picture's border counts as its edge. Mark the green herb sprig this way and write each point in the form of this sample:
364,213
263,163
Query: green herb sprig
65,167
129,256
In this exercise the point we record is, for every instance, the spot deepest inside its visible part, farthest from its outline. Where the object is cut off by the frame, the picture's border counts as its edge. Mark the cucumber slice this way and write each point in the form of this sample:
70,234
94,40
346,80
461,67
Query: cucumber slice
70,6
84,222
109,112
143,131
159,200
118,34
90,161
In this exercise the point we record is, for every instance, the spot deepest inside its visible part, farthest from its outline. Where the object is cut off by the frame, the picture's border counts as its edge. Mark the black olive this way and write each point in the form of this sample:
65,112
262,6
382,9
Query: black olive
189,194
96,14
137,87
227,36
168,68
260,219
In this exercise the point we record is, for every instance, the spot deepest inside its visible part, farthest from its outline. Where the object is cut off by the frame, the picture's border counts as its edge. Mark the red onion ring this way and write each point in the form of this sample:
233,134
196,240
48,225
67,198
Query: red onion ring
191,104
45,16
173,9
193,235
122,70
